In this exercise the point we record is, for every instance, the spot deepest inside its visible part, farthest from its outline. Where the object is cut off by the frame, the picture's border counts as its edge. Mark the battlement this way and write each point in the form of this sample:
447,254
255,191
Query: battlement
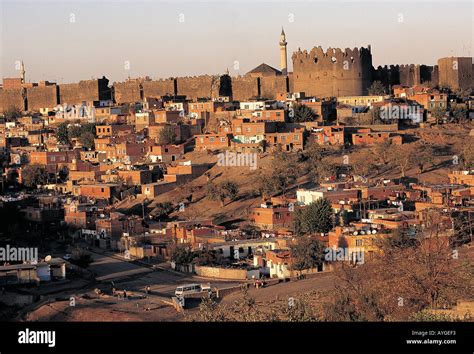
317,55
334,72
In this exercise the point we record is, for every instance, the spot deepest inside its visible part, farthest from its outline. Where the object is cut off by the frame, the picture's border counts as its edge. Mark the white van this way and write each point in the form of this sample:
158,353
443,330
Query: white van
189,289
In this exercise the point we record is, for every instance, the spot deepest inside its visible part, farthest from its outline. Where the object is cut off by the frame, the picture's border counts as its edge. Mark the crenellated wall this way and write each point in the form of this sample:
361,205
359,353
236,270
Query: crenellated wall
406,75
42,97
244,87
334,72
12,98
87,90
199,86
128,91
158,87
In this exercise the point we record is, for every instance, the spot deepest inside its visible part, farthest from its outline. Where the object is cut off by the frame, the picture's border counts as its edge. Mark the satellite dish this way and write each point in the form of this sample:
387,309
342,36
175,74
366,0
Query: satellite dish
47,258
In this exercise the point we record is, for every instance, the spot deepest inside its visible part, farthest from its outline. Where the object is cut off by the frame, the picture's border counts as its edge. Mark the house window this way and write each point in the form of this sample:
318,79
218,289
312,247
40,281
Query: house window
238,130
211,139
296,137
283,139
201,140
268,114
278,114
358,243
222,139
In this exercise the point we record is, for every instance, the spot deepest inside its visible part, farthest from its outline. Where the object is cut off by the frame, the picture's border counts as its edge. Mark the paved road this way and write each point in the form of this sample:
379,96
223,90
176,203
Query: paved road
109,268
134,278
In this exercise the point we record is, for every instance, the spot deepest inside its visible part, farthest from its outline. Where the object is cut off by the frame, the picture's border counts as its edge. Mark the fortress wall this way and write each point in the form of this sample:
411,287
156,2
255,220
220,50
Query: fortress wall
11,98
244,87
333,72
77,93
271,86
42,97
158,87
199,86
128,91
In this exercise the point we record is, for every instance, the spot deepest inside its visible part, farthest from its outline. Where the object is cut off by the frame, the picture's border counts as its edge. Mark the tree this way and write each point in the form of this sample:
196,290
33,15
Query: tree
231,189
424,157
438,114
467,156
182,254
402,157
382,151
222,191
285,169
212,191
306,253
87,140
167,135
207,257
81,258
377,88
63,173
314,218
162,210
267,185
397,283
459,113
12,113
301,113
33,175
62,133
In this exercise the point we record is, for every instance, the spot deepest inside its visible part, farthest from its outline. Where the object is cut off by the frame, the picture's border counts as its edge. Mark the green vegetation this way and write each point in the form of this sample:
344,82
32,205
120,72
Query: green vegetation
314,218
34,175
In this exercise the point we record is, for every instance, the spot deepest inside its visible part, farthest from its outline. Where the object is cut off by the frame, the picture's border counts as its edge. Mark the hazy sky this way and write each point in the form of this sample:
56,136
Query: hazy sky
65,41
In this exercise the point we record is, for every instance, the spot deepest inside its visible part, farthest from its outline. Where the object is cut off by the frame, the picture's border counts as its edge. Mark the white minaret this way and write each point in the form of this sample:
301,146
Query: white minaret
22,72
283,61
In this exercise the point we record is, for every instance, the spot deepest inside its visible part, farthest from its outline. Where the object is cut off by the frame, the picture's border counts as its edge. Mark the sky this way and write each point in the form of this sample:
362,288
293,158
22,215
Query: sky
69,40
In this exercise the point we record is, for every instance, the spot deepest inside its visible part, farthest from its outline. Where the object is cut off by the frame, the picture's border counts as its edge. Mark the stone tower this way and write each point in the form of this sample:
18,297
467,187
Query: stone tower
283,56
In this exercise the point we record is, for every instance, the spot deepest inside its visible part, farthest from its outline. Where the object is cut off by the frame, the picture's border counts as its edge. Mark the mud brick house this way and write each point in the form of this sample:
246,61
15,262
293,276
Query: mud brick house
292,140
135,177
272,217
367,137
212,141
183,173
359,237
268,115
165,153
97,191
114,130
155,130
162,116
152,190
80,215
462,177
327,135
53,160
325,110
308,196
112,227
